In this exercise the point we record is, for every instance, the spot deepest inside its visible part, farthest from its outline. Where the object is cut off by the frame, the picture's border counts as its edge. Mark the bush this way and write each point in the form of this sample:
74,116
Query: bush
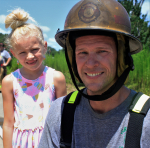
139,79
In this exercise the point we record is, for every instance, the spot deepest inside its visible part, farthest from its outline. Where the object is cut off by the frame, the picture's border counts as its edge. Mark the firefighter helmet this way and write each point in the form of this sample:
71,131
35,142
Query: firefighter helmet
100,15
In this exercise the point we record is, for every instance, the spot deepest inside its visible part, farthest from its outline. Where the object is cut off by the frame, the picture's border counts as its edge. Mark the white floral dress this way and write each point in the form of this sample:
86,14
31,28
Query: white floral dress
32,102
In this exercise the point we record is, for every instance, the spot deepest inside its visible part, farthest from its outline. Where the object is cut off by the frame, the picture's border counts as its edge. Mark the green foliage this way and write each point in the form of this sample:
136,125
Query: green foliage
128,4
139,26
139,79
58,62
2,37
52,51
13,66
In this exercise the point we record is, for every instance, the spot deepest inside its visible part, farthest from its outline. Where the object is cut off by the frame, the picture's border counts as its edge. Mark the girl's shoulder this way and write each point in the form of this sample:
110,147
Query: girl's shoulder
16,74
58,74
16,71
10,77
48,69
7,81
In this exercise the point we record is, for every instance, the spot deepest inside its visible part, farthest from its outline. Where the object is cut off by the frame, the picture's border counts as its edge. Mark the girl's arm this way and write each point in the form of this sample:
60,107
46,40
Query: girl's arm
60,84
8,107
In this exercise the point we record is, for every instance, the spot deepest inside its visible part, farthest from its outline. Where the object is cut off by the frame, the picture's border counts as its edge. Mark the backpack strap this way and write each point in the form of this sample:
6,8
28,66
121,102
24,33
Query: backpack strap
67,120
138,110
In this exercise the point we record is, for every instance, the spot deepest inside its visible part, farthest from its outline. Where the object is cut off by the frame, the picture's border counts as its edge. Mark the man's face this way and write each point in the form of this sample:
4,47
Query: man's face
96,58
1,47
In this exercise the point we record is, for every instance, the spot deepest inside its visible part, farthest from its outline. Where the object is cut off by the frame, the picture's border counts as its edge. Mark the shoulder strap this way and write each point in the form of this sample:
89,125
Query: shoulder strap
138,110
67,120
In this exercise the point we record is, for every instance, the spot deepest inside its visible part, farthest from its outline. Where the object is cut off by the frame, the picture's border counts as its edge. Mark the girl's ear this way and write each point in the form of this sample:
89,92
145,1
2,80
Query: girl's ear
13,53
45,46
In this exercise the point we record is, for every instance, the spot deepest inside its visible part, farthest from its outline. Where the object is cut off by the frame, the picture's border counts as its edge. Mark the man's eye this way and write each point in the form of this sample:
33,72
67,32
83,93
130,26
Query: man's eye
102,51
83,53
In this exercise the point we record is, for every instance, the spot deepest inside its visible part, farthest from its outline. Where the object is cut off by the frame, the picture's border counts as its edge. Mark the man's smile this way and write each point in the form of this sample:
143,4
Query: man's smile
94,74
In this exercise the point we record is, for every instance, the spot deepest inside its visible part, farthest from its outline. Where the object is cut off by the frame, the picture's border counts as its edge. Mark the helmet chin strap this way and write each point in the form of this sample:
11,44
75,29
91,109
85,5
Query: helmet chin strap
112,90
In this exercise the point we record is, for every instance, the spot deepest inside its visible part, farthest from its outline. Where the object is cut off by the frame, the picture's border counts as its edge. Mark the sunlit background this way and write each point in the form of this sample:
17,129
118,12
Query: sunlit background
49,14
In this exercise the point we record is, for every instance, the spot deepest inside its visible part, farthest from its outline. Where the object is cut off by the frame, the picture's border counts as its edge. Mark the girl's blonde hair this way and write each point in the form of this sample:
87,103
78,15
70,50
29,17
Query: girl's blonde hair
16,20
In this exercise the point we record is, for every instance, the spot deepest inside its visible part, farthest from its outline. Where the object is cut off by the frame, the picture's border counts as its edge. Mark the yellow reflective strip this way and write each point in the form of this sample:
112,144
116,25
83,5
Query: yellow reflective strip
73,97
139,105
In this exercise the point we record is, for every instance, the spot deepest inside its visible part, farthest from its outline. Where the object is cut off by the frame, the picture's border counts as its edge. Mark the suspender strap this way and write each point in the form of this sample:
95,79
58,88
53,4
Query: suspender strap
134,130
70,103
138,111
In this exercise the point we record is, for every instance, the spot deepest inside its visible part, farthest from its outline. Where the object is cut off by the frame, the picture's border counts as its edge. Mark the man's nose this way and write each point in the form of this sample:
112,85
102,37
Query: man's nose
92,61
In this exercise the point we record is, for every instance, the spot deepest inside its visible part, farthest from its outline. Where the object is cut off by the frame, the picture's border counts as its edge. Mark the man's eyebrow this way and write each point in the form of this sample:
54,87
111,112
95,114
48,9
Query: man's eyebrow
101,47
82,48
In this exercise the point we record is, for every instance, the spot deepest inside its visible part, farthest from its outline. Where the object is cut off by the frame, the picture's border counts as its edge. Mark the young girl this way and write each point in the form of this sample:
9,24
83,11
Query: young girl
29,91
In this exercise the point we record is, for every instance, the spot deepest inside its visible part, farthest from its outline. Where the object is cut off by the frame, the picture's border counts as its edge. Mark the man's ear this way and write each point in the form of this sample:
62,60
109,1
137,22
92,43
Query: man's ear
13,53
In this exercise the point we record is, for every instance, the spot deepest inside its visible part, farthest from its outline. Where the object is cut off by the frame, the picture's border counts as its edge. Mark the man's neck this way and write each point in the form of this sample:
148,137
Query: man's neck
111,103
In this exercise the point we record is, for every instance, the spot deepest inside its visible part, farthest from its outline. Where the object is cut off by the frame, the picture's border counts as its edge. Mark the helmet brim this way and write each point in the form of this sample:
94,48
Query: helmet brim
134,43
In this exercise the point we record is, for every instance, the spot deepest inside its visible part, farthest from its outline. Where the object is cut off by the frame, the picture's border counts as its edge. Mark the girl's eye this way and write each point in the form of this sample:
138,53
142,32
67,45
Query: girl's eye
35,50
21,52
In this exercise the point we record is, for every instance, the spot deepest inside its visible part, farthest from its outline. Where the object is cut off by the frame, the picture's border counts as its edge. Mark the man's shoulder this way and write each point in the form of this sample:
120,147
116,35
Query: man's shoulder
55,109
146,130
58,102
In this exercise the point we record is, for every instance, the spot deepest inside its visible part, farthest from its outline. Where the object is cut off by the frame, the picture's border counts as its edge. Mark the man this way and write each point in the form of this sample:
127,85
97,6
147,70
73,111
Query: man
5,59
98,47
5,54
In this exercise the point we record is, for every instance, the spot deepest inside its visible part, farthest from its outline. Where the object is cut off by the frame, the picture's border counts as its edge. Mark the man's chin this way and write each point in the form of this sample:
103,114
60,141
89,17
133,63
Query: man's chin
94,91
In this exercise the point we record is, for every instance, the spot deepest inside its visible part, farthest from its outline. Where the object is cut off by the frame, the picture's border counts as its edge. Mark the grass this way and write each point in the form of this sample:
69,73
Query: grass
139,79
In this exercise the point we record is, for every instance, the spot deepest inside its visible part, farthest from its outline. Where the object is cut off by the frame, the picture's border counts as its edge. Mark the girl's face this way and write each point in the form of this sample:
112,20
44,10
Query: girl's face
30,52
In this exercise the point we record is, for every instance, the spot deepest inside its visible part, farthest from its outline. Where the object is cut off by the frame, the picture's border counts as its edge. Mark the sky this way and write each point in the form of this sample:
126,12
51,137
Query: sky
49,14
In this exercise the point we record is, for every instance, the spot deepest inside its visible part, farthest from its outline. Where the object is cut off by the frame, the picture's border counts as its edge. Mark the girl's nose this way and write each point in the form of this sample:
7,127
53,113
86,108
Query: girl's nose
30,55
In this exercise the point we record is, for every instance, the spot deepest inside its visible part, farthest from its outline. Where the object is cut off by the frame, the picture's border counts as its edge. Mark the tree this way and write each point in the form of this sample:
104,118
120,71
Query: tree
2,40
51,51
139,25
2,37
